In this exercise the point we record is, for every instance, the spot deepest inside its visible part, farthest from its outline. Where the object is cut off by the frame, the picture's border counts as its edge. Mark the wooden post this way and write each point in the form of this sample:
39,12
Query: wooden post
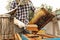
6,27
55,26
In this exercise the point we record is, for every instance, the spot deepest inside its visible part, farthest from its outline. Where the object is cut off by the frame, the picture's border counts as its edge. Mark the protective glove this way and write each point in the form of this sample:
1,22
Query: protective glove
19,23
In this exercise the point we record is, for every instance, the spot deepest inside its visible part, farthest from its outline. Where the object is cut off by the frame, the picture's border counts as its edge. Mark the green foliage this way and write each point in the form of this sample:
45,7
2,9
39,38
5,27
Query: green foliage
8,6
49,8
31,14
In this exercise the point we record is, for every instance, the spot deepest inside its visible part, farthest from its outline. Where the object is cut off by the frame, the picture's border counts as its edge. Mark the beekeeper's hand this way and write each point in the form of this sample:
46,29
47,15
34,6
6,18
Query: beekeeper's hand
19,23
